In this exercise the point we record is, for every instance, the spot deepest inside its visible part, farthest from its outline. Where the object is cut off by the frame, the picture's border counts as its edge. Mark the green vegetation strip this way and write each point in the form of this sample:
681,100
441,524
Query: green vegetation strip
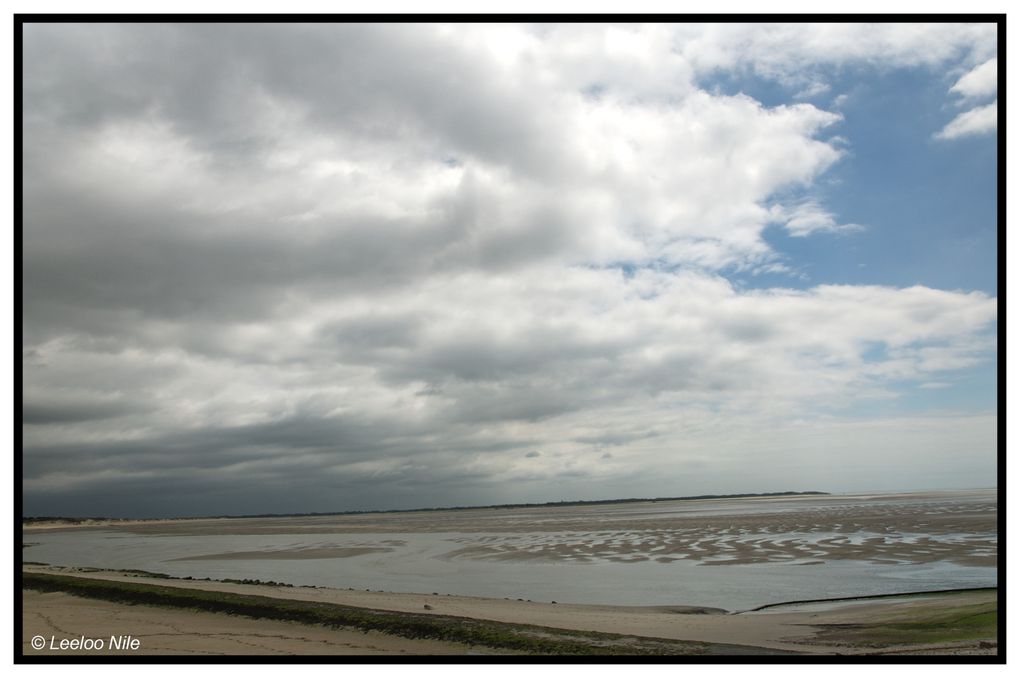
514,637
951,624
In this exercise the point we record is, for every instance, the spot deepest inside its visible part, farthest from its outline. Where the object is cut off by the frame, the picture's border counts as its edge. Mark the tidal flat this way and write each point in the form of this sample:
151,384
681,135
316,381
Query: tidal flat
729,553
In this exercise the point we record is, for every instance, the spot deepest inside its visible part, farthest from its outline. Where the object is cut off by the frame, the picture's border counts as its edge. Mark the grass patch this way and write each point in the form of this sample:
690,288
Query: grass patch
959,623
162,575
512,637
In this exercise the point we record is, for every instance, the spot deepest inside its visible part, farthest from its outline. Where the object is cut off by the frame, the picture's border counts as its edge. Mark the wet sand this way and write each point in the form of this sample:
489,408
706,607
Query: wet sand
957,527
291,554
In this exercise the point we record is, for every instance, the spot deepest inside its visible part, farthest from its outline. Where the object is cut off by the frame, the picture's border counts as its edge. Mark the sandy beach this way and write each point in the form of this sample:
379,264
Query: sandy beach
187,632
800,629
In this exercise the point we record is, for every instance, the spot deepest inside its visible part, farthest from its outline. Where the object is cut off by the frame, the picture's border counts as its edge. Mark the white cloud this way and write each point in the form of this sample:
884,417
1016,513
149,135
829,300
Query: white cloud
602,181
979,82
981,120
982,81
812,90
788,52
808,217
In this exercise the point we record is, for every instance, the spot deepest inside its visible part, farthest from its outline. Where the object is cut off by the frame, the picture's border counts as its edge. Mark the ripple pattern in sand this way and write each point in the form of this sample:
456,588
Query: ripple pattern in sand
732,546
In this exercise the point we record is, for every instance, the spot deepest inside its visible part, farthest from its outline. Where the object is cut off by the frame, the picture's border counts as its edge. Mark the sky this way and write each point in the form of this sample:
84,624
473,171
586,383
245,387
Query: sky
308,268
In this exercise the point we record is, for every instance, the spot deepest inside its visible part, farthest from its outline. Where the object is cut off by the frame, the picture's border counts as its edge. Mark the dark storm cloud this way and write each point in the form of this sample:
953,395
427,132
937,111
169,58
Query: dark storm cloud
296,451
71,412
297,440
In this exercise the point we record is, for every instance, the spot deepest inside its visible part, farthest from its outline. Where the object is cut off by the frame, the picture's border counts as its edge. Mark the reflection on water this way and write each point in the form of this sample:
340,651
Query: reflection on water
623,567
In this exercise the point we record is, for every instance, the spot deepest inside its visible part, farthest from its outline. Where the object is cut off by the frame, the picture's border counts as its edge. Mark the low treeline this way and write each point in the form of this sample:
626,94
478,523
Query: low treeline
569,502
64,519
548,504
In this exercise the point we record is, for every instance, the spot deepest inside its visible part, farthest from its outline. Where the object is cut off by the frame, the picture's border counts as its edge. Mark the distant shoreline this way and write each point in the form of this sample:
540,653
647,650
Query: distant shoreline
39,521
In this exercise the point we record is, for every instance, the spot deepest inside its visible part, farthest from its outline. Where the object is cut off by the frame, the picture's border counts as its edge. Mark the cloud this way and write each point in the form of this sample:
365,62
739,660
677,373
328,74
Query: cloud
981,81
341,266
808,217
574,360
812,90
801,56
55,411
352,158
795,53
981,120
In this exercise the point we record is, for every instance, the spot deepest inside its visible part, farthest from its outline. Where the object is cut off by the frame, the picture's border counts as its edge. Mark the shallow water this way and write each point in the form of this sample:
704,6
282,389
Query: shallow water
540,566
